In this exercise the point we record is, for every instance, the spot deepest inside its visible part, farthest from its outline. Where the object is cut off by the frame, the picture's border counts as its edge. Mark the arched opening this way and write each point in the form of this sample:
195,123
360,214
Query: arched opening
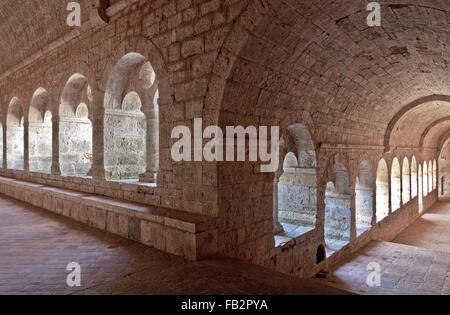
337,210
40,132
434,174
320,254
413,178
131,120
382,191
296,187
75,128
430,176
395,185
406,192
15,135
420,189
364,198
425,179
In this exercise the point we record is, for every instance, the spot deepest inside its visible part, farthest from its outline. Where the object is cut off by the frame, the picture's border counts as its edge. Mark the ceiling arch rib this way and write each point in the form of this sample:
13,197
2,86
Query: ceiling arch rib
430,137
416,122
444,139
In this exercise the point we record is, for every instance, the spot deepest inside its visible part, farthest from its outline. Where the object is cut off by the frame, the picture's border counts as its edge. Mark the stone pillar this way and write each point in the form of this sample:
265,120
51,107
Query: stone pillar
277,227
150,110
26,147
152,144
374,201
55,146
97,118
353,232
5,146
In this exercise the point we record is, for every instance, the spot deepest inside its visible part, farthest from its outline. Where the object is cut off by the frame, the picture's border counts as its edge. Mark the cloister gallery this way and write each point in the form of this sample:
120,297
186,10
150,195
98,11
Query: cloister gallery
87,114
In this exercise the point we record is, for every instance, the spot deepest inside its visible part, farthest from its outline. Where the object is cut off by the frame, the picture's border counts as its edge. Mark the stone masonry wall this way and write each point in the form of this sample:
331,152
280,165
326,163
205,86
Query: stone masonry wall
15,150
125,140
75,146
245,62
40,147
297,191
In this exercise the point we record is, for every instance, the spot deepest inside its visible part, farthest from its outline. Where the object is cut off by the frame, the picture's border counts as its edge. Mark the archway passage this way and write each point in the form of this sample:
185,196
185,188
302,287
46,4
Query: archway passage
364,198
414,177
75,128
40,132
296,187
382,191
15,135
395,185
131,120
337,210
406,178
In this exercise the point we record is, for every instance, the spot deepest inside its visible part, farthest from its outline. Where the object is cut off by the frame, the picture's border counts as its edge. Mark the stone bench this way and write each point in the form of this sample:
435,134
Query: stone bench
191,236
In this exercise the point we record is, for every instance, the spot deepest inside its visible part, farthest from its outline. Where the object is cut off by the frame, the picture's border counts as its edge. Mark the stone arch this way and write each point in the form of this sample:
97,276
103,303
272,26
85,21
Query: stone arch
337,210
15,134
130,108
414,178
405,110
75,127
382,191
295,187
429,128
40,132
395,185
364,198
406,181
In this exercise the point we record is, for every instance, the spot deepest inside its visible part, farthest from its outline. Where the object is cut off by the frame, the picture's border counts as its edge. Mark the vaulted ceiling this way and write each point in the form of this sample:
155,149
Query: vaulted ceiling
26,26
319,56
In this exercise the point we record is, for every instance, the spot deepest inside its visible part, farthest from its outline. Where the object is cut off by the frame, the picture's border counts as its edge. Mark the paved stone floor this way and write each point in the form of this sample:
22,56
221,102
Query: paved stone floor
431,231
416,262
36,246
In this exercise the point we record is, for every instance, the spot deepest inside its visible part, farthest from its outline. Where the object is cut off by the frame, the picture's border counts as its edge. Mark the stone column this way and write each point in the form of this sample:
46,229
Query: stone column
152,144
26,151
277,227
5,147
97,118
150,110
353,232
55,146
374,201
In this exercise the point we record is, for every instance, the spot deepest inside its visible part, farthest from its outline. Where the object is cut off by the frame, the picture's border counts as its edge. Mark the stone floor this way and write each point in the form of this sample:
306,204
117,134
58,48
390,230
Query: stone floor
431,231
36,246
416,262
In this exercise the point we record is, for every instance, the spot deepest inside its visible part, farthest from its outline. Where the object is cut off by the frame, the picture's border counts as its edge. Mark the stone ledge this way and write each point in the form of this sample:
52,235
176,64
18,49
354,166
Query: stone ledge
192,236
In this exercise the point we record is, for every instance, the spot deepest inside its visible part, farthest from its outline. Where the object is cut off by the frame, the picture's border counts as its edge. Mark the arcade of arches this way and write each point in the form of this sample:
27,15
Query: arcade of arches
87,116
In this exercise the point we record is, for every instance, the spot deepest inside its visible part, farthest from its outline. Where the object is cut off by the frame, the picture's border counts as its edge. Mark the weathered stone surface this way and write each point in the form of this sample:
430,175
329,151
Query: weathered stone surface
341,92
